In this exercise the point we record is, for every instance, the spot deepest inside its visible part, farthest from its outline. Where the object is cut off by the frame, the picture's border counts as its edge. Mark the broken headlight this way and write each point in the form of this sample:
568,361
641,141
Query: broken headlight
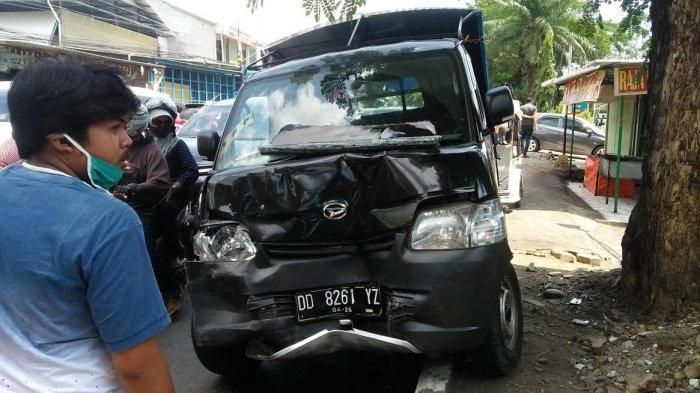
459,225
226,244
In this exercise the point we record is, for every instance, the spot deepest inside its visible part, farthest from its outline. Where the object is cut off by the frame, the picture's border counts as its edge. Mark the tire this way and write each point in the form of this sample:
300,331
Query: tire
534,145
500,352
229,362
598,150
518,203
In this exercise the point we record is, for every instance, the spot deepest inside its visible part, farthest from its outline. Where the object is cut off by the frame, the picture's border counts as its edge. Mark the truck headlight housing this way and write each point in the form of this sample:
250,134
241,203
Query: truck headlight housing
225,244
459,225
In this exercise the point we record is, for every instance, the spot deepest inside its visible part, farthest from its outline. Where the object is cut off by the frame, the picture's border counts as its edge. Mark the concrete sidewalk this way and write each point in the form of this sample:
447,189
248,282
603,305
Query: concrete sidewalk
552,217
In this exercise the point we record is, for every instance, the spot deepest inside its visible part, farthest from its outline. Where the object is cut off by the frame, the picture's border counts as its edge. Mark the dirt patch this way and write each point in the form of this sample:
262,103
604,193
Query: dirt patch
597,345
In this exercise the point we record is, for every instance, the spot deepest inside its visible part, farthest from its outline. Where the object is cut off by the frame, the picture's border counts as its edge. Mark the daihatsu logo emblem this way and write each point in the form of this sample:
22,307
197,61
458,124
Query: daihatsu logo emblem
335,210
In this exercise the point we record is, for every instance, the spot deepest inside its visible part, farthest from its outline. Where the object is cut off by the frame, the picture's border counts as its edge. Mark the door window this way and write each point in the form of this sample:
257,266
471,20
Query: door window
578,127
549,122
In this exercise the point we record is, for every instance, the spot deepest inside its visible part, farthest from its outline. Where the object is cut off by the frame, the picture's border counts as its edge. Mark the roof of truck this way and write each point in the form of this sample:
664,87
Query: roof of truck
363,52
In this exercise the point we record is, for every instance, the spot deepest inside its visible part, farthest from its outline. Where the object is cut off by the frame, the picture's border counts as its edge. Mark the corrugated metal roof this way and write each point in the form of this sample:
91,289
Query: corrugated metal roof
31,25
55,49
590,67
136,15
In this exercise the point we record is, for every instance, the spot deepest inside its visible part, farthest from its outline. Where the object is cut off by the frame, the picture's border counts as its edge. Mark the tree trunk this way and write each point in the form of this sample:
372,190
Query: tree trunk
661,246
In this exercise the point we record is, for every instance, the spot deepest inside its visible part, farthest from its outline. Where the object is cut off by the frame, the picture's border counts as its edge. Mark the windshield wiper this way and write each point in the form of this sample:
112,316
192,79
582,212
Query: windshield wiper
364,145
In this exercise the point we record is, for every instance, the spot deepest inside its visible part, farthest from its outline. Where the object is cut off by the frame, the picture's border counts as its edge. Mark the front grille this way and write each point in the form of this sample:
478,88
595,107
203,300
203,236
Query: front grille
326,249
271,306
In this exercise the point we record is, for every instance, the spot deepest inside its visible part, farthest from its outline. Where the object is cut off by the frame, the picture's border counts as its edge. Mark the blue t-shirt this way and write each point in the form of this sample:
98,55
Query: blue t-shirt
75,283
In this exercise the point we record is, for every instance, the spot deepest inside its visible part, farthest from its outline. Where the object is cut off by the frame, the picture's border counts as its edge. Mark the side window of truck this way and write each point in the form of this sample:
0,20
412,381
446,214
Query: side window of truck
478,106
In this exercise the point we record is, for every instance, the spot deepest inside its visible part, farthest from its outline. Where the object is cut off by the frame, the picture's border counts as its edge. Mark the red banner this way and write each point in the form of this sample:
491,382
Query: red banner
628,81
583,89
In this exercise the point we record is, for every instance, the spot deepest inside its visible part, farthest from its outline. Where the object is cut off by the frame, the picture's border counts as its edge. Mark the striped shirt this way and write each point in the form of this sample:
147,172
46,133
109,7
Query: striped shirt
8,153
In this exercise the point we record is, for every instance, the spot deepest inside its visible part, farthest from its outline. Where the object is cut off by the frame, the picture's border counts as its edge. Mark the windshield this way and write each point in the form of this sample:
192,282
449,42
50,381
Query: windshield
209,118
368,98
4,111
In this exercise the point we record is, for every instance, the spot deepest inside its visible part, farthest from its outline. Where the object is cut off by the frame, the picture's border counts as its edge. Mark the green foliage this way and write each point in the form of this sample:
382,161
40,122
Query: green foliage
332,10
529,39
586,115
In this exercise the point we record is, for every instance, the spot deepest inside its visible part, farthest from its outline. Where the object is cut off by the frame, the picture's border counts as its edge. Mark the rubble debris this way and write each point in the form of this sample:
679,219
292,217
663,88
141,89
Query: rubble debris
552,293
647,384
564,256
692,371
532,301
629,344
597,342
588,259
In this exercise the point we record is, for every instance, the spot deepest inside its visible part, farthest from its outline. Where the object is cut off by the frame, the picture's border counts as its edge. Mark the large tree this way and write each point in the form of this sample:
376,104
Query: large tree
661,246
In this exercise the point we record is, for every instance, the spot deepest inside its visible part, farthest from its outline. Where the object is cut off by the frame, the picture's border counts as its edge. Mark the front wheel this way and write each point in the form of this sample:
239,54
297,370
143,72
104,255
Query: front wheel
534,144
598,150
500,352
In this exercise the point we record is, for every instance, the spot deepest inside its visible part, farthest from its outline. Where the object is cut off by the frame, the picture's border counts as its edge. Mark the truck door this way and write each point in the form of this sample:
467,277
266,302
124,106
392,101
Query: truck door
478,108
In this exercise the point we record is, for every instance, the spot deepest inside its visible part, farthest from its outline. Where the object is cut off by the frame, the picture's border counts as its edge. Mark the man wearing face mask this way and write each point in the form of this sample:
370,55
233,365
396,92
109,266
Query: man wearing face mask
79,304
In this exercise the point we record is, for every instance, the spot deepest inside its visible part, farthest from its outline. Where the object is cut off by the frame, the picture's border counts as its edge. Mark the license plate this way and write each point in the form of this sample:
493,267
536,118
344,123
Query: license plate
348,300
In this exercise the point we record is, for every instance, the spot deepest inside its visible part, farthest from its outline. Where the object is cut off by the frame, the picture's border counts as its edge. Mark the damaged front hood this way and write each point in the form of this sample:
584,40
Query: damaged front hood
343,197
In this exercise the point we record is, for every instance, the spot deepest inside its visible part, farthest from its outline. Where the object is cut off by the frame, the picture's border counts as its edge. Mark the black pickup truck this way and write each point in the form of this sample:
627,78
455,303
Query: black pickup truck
353,202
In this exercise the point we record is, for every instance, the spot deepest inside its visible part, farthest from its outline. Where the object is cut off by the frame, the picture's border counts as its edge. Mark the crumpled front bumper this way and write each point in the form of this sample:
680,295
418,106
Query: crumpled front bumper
436,301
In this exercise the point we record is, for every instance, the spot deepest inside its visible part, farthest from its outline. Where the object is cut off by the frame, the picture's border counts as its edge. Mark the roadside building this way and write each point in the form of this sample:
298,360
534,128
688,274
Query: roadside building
109,34
159,45
202,60
621,85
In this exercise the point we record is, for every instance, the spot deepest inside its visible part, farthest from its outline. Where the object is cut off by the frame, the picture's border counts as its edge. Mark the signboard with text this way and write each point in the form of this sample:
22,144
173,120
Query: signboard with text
629,81
583,89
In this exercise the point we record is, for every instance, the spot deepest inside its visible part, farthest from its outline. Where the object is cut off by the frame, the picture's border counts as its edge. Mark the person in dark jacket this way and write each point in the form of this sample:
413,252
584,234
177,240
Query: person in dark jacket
145,183
183,174
146,178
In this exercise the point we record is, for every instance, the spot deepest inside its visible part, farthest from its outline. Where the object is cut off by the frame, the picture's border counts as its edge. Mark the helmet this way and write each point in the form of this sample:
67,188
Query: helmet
138,122
163,103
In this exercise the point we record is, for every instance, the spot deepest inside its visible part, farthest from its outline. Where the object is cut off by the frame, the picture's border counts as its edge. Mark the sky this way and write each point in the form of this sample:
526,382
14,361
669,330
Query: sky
278,19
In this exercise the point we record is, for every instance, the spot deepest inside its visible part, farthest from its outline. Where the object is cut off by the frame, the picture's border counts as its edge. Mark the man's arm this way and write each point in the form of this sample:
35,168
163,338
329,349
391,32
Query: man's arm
143,368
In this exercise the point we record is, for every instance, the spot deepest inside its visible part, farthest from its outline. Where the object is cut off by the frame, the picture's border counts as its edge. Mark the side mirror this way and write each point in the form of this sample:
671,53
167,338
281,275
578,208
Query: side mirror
207,144
498,106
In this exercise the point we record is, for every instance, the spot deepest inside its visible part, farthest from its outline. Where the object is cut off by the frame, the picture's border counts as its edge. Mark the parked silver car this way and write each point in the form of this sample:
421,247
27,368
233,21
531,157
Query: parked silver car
588,139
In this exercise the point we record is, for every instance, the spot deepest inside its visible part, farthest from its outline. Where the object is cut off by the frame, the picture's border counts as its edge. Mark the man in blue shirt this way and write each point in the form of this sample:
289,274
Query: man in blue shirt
79,305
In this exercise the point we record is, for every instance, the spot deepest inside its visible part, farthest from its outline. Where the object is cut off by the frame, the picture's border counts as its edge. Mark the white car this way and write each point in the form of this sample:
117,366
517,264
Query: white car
5,127
145,94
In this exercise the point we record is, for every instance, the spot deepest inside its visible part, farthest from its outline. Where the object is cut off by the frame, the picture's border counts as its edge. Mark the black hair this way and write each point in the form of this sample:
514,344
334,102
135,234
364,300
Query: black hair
64,95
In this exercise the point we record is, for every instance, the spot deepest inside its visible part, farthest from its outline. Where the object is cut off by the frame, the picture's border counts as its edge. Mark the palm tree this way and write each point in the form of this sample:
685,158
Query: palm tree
541,32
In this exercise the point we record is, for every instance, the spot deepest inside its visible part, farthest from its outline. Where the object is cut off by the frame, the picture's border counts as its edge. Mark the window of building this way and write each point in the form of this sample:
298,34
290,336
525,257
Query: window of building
219,54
